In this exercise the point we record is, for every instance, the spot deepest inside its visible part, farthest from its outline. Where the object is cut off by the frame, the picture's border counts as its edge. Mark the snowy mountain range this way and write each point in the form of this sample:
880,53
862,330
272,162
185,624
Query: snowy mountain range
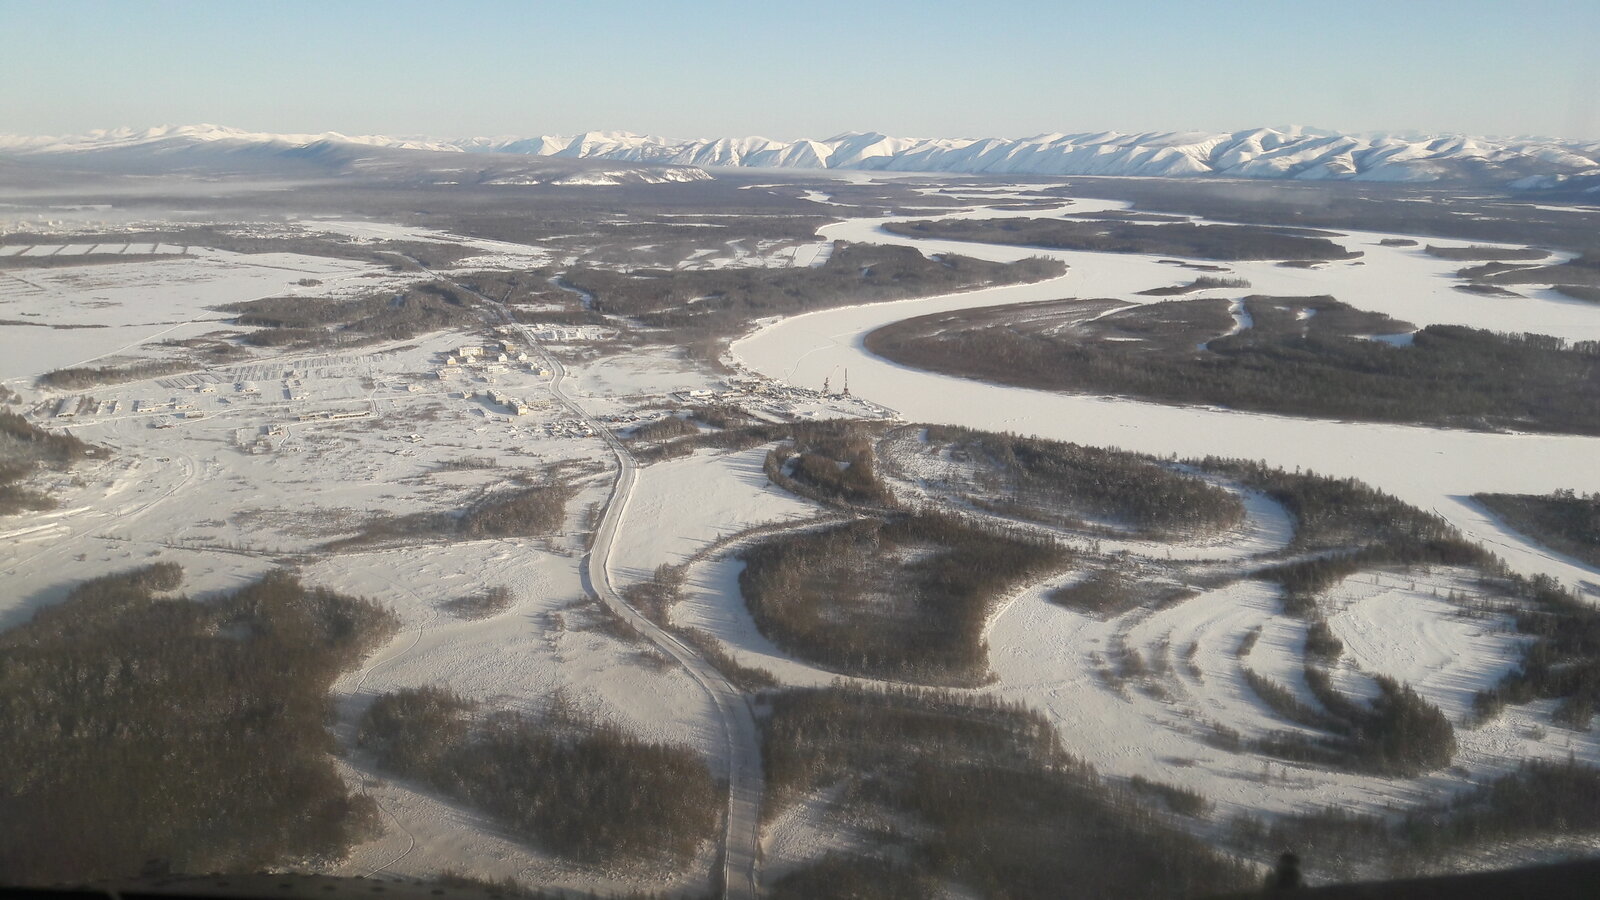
211,151
1294,153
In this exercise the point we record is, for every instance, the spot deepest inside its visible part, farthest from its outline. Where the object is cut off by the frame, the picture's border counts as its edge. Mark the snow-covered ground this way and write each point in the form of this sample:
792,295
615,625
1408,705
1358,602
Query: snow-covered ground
745,253
493,254
680,506
1164,729
550,642
1434,469
712,602
84,314
233,472
187,484
1167,730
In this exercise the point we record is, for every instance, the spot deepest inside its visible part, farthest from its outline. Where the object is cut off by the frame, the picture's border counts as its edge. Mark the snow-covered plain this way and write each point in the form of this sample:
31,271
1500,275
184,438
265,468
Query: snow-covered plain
1164,728
549,643
1056,659
190,493
130,307
184,485
682,505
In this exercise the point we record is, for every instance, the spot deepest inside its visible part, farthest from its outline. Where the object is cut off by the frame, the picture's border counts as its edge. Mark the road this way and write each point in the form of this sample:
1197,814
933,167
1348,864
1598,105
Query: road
741,839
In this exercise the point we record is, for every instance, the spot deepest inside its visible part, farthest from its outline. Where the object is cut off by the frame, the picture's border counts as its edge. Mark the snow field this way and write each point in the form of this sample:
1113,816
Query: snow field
759,254
121,308
547,643
1403,627
192,485
494,254
804,832
1161,726
1163,729
711,601
1429,468
679,506
549,640
188,495
628,377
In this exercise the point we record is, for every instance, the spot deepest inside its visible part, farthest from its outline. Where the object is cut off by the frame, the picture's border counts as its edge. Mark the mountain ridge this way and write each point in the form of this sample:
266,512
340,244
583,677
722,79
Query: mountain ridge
1291,152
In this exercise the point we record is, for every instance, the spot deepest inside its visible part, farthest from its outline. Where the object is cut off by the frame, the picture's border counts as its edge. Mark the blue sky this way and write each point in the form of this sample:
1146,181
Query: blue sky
804,69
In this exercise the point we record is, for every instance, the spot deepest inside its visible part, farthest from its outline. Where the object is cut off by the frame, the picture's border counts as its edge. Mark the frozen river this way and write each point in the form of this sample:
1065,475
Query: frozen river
1431,468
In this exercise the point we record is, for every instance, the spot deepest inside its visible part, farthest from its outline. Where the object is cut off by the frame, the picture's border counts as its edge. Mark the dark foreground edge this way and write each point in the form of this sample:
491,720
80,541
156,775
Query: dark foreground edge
1556,881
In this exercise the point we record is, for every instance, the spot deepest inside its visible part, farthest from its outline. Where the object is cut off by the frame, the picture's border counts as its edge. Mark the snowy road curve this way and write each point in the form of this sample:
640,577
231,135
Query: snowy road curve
742,770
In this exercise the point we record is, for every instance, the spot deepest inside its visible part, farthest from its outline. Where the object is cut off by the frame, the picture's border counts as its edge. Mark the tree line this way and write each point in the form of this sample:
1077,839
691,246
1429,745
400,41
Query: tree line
24,447
1347,206
904,597
1229,242
699,303
79,377
832,462
145,726
305,322
527,511
979,794
1450,375
1562,661
1580,272
1341,513
1540,798
585,791
1565,521
1399,735
1047,480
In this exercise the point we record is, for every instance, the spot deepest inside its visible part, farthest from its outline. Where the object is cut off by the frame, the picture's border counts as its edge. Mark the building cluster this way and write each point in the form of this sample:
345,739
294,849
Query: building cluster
174,405
777,402
568,428
487,357
516,405
79,405
259,440
334,416
563,333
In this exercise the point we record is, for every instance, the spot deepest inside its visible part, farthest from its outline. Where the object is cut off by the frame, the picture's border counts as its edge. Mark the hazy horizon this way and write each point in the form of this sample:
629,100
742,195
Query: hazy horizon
719,69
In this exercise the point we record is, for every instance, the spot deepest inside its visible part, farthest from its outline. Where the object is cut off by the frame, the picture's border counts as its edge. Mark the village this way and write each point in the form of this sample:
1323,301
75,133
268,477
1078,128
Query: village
493,379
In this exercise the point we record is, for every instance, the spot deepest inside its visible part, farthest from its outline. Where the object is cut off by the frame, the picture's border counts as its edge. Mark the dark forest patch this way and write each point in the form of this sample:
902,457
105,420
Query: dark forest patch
145,727
1308,356
1229,242
902,598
